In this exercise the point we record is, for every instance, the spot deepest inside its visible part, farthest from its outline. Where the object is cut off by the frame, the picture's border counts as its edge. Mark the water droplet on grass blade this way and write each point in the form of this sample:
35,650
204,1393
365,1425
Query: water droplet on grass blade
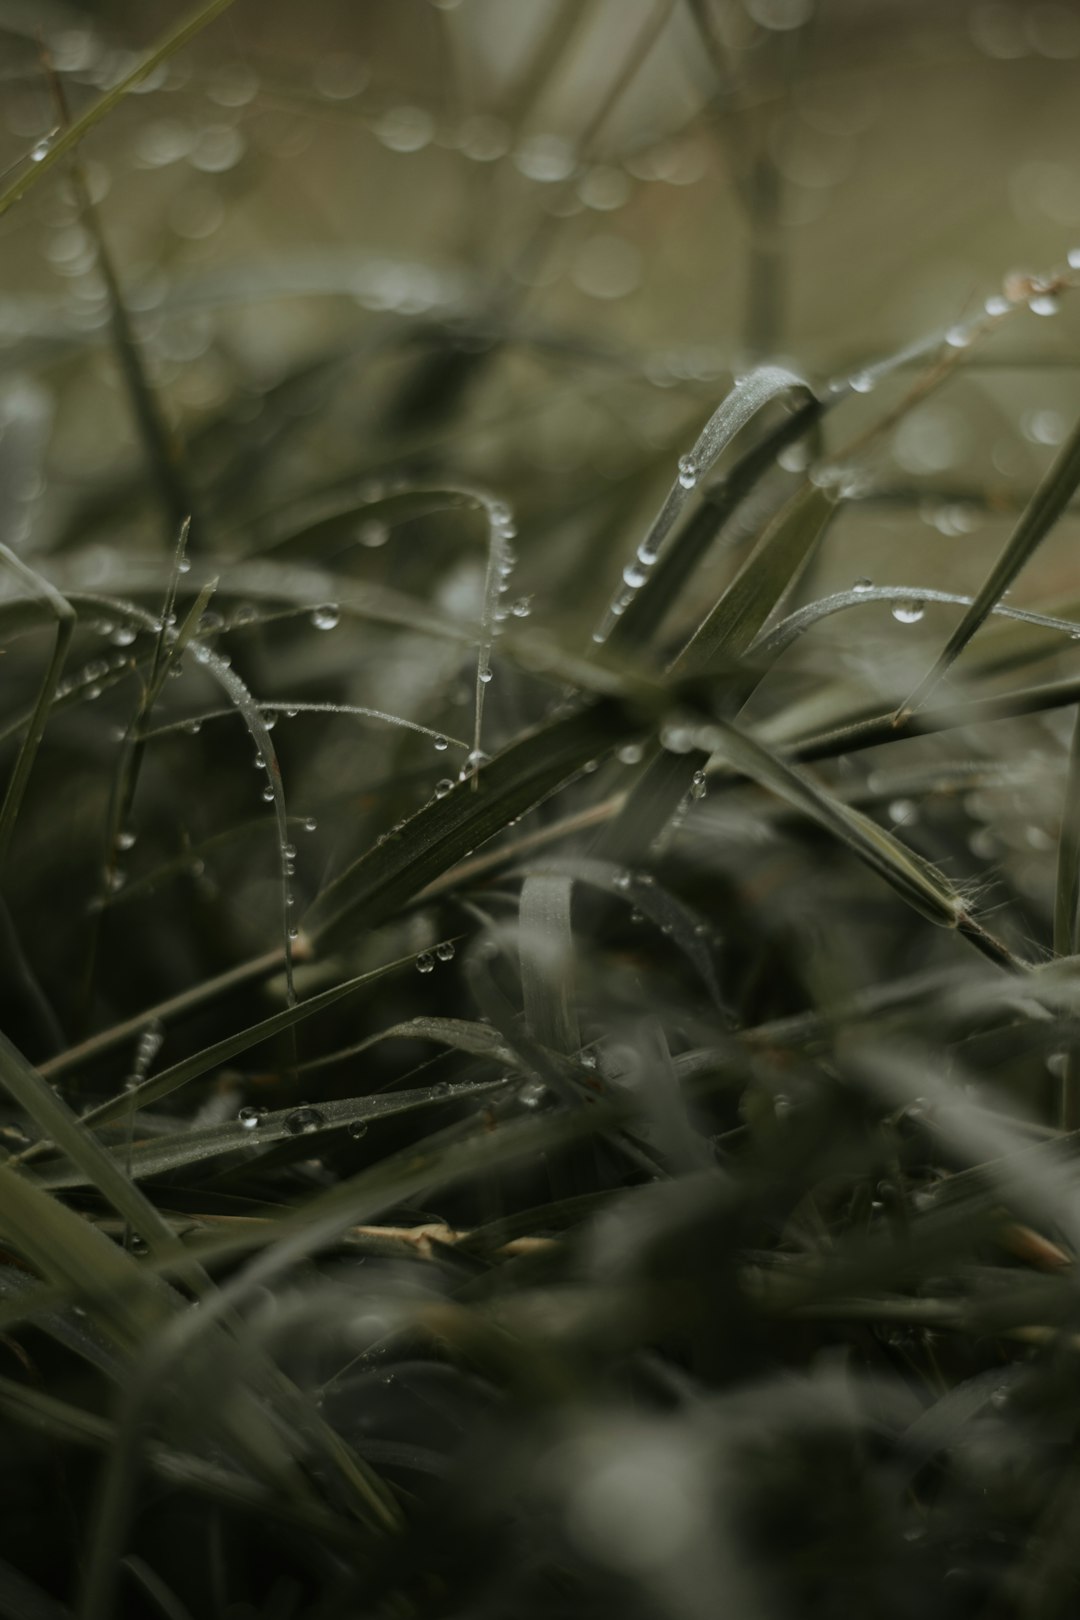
358,1128
1044,303
326,616
425,962
445,951
908,612
41,149
863,585
249,1118
688,472
268,793
441,745
302,1121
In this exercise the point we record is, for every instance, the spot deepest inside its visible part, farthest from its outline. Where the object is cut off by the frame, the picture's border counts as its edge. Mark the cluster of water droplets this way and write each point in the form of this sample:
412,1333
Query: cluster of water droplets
443,952
146,1050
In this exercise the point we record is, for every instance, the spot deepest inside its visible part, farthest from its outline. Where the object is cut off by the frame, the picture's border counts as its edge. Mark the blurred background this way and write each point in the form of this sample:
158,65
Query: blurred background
528,245
644,195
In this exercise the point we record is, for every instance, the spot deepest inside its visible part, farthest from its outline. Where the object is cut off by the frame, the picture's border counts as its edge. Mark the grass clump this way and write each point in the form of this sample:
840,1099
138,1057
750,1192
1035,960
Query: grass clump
540,1015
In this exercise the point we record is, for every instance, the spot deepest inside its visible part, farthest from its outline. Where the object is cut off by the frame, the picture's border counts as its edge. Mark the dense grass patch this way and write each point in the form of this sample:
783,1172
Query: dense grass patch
540,1003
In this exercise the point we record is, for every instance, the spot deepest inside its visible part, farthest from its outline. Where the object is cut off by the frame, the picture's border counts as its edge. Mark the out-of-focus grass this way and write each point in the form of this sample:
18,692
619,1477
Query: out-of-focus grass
538,929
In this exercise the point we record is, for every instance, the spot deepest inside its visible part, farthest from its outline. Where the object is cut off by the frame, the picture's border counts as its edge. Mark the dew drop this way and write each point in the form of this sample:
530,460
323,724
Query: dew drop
958,337
123,635
445,951
425,962
373,534
125,839
326,616
903,812
288,852
1074,258
688,472
1043,303
310,824
997,304
630,754
698,785
485,676
193,727
302,1121
357,1129
522,607
908,612
863,382
634,575
41,149
268,793
862,585
441,745
250,1118
533,1094
442,787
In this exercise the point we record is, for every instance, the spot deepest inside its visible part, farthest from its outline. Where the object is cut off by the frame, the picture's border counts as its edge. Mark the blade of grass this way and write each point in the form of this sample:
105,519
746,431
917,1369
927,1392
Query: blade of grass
196,1144
916,880
447,829
746,399
180,1074
68,139
1046,506
64,614
546,949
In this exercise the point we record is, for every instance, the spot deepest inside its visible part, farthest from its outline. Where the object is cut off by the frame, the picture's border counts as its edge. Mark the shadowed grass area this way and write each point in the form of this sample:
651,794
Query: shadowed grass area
539,934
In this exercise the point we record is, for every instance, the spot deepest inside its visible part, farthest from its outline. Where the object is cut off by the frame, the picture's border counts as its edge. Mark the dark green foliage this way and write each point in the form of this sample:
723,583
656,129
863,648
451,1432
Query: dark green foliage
587,1124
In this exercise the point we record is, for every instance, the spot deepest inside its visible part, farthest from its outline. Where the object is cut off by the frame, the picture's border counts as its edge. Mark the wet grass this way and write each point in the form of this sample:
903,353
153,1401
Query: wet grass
540,1029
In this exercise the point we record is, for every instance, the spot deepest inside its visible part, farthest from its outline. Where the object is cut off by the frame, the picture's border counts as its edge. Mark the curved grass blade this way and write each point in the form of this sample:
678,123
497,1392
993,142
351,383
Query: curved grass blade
743,403
677,563
69,138
1045,507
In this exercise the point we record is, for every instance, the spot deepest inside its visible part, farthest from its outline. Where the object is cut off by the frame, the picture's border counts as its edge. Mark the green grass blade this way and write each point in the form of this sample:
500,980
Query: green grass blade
916,880
770,572
69,138
534,766
546,948
678,563
1047,504
180,1074
64,614
750,395
194,1145
56,1121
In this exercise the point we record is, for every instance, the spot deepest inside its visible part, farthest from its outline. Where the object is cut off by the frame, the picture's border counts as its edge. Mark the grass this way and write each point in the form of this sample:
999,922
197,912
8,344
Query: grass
540,1017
